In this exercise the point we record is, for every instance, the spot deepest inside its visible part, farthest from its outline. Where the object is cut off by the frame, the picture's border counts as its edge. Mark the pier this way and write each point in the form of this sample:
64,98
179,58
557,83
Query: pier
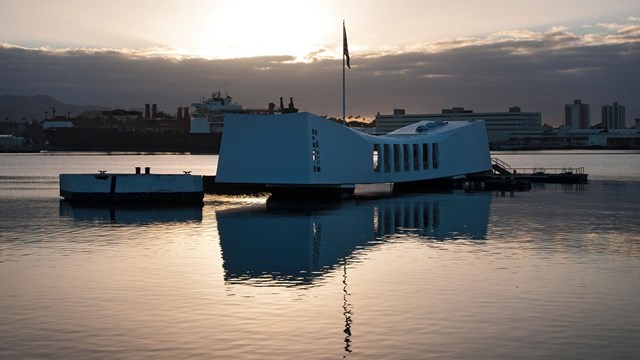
505,177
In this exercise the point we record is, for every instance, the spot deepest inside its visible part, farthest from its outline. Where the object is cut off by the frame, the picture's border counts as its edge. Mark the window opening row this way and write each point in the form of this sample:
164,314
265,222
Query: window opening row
405,157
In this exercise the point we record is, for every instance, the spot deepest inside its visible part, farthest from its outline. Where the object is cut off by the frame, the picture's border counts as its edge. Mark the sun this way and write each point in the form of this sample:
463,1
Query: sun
257,28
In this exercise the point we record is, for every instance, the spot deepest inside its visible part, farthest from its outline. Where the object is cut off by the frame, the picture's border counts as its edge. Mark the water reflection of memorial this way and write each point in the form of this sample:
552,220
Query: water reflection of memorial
280,244
131,214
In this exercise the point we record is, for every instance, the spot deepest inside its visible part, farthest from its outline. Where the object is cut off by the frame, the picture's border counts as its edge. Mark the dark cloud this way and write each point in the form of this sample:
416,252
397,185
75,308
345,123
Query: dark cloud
537,71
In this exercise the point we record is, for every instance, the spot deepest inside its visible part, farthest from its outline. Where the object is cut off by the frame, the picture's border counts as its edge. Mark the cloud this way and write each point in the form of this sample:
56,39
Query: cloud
539,71
622,29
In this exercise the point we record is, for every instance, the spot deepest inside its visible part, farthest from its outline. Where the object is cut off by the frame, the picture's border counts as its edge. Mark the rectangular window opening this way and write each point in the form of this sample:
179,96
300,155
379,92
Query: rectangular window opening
436,155
396,157
405,156
425,156
416,157
386,157
376,156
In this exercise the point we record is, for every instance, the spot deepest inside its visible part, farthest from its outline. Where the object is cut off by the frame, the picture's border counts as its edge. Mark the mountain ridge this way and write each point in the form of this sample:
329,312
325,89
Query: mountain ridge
23,108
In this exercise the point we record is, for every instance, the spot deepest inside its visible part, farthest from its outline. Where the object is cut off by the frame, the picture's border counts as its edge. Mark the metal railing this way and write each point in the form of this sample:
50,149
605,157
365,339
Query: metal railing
538,170
501,163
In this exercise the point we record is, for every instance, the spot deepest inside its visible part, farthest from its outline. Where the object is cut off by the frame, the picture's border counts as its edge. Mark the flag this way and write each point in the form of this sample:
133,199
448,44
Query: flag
346,46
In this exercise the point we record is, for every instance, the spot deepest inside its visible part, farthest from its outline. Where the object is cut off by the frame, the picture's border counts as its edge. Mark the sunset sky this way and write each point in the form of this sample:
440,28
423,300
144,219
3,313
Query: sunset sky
419,55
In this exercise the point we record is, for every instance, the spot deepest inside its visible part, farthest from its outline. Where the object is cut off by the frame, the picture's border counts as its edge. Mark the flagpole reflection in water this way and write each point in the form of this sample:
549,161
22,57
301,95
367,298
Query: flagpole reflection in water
346,311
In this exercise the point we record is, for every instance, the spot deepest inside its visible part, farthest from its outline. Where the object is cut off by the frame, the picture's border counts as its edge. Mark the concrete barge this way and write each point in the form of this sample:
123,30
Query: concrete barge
139,187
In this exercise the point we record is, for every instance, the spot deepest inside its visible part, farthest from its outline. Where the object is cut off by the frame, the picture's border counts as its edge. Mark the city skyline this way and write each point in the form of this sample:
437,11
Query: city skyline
420,56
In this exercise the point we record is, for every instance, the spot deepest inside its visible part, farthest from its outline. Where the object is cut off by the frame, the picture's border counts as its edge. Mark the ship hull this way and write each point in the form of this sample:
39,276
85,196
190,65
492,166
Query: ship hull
143,140
205,143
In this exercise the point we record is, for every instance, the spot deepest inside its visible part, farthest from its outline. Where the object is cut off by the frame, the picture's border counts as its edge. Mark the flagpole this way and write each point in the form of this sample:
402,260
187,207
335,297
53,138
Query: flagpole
345,55
344,101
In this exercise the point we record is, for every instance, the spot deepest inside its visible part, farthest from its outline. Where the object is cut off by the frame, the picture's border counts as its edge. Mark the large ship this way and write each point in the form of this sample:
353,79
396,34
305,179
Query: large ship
197,129
207,120
117,139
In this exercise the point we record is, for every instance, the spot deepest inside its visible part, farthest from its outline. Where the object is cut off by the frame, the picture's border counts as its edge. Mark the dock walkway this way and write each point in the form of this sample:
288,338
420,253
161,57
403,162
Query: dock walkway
504,176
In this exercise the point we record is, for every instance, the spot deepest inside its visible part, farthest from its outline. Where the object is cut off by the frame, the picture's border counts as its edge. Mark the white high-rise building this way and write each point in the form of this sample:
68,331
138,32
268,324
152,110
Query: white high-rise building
577,115
613,116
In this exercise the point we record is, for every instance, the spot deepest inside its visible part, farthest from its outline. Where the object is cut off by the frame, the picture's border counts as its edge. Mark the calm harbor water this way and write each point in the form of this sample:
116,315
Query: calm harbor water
549,273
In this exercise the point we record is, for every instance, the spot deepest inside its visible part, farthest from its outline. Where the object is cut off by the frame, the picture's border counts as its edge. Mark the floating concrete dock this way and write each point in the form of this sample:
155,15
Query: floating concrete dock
104,187
505,177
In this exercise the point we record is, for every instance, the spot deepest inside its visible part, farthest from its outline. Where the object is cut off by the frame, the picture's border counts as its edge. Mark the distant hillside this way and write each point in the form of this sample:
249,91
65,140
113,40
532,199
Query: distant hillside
17,108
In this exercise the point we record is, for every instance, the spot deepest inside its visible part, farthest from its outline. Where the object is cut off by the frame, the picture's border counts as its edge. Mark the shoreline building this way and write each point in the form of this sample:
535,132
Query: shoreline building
577,115
565,137
613,116
503,128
